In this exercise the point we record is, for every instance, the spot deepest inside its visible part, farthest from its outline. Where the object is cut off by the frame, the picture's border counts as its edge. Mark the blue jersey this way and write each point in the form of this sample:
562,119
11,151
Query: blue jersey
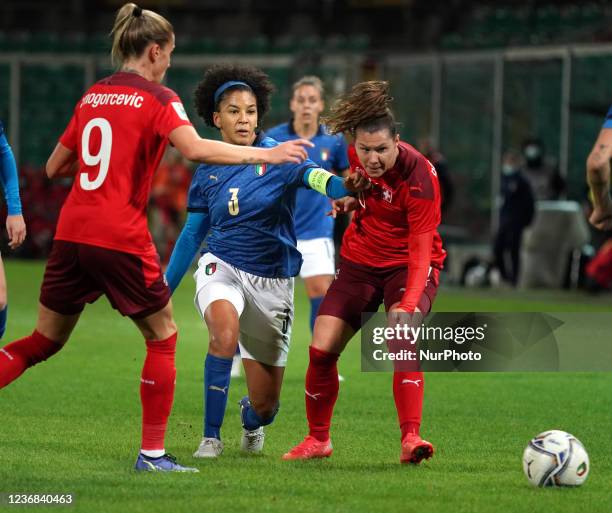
608,120
330,153
251,213
8,176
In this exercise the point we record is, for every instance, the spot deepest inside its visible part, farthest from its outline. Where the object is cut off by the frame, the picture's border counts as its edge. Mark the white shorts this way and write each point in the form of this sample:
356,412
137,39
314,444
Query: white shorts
319,257
264,305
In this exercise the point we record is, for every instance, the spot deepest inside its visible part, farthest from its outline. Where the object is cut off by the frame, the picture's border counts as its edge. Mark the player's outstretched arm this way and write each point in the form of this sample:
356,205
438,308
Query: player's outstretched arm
192,146
62,162
333,186
598,178
187,245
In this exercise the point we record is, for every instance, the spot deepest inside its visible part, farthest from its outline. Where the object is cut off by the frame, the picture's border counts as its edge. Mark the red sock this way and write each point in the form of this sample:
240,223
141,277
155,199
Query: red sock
16,357
408,395
157,391
321,392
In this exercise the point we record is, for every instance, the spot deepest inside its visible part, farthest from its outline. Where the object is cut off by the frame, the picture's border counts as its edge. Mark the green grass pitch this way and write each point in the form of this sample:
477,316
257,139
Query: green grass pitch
72,424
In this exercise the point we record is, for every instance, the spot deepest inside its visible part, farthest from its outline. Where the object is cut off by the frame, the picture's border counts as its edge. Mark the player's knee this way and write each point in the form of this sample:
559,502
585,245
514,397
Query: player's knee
266,409
318,285
222,342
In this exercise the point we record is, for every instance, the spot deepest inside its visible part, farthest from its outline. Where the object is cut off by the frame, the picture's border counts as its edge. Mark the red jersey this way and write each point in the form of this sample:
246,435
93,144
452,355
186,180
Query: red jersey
405,200
119,130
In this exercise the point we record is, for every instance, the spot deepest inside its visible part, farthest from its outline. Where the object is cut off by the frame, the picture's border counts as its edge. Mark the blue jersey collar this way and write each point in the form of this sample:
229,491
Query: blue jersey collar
291,129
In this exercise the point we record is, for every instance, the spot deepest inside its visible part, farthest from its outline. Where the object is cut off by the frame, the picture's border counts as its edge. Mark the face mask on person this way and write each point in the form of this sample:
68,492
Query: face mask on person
508,169
533,155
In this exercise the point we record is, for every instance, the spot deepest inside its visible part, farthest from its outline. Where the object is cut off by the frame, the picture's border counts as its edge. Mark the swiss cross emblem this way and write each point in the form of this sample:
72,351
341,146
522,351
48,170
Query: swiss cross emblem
387,194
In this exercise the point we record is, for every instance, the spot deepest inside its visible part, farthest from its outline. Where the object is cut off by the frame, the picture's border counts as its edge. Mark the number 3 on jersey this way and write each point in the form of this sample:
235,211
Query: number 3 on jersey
232,204
102,157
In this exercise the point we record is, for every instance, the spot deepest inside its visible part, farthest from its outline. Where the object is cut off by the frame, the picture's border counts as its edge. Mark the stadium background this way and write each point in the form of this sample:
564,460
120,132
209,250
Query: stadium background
478,78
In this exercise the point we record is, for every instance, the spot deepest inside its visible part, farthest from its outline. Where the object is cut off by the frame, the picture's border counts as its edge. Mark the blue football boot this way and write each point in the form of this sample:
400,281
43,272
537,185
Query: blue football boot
165,463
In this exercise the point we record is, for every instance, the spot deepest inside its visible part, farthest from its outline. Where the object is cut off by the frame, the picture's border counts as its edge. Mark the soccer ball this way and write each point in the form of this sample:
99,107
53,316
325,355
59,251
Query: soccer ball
555,458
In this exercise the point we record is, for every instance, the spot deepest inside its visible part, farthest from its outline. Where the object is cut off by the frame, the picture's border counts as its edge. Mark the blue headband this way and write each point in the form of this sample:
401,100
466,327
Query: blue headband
224,87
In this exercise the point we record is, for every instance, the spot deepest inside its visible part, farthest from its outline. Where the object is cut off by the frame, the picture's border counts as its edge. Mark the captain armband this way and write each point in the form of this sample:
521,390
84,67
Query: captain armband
317,180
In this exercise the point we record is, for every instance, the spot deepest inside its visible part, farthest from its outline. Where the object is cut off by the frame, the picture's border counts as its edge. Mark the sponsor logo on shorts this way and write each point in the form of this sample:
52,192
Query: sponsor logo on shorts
324,154
210,268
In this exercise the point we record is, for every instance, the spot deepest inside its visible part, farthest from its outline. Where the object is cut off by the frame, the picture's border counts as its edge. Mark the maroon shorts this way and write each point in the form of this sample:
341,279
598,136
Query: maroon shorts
80,273
360,289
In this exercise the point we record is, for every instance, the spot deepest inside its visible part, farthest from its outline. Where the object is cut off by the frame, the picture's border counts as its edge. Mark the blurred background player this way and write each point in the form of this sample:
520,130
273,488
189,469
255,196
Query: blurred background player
515,214
314,230
168,201
391,253
244,281
15,225
112,145
447,189
544,178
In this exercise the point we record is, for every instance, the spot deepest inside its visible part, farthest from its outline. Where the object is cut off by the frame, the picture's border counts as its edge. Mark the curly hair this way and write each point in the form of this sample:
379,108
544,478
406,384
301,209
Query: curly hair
217,75
366,106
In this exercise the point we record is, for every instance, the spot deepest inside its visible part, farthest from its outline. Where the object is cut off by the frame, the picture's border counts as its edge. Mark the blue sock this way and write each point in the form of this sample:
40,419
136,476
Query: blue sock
216,387
315,302
252,421
3,314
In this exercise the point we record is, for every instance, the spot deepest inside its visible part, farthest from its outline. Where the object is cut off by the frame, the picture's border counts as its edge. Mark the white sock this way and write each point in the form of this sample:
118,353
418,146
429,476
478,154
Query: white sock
157,453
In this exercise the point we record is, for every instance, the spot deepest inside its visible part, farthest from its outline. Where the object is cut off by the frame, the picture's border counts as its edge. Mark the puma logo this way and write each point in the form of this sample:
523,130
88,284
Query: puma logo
415,382
7,354
219,389
313,396
212,177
